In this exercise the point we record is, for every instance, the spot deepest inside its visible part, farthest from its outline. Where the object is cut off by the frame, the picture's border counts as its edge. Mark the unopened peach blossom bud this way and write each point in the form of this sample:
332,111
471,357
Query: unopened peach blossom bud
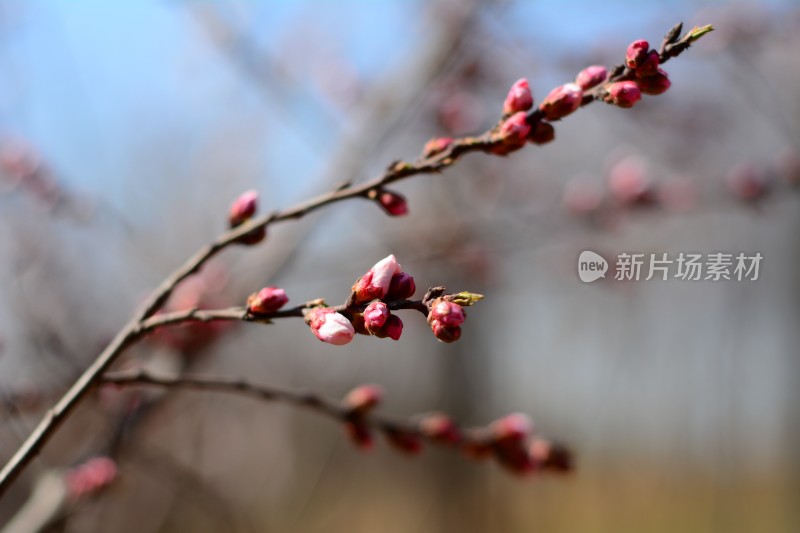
623,93
655,84
514,131
562,101
445,333
447,313
636,54
542,133
404,441
393,328
436,145
330,326
363,398
267,300
519,98
649,65
393,203
375,283
439,428
591,77
375,316
402,287
243,208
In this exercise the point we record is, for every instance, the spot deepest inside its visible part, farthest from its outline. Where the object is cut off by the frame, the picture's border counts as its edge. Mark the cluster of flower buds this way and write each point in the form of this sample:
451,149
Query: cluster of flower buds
510,440
646,77
242,210
90,477
513,444
368,311
359,402
384,282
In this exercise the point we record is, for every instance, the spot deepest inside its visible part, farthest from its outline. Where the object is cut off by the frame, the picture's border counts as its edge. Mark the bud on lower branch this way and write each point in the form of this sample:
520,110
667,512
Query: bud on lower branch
363,398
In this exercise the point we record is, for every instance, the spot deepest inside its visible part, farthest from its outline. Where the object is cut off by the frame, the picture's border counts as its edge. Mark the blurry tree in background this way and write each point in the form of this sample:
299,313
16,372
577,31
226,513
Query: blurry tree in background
128,128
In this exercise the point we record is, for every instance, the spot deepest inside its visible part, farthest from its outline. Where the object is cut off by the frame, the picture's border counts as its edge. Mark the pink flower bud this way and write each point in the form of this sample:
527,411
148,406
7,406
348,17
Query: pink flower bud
562,101
519,98
623,94
436,145
447,313
375,283
244,207
393,203
440,428
649,65
330,326
363,398
636,54
542,133
267,300
513,427
655,84
375,316
392,329
591,77
404,441
514,131
445,333
402,287
359,434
